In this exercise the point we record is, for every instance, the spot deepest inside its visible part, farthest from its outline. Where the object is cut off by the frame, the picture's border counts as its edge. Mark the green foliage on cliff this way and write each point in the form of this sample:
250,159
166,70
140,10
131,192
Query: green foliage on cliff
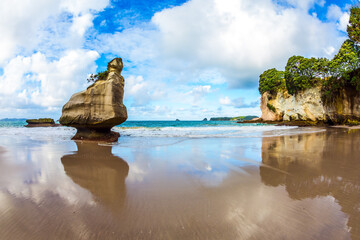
243,118
300,73
271,80
343,71
220,119
239,118
353,28
271,107
99,76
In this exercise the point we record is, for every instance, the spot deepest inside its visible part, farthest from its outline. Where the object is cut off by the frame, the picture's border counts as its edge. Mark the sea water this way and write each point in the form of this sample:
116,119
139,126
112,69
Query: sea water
163,129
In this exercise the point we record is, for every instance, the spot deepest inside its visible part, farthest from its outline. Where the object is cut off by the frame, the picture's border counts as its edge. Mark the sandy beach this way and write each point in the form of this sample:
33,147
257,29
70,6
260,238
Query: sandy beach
301,184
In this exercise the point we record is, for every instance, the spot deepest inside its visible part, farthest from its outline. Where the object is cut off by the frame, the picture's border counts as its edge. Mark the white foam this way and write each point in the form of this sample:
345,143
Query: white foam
66,133
201,132
39,133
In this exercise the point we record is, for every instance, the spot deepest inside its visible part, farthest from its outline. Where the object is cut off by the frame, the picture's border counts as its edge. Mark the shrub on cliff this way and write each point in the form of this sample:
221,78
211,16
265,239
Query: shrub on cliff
99,76
353,28
344,70
271,80
346,60
302,73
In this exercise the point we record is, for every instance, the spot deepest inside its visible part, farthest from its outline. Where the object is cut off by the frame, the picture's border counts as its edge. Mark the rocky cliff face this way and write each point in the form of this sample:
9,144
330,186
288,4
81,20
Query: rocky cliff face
94,111
307,105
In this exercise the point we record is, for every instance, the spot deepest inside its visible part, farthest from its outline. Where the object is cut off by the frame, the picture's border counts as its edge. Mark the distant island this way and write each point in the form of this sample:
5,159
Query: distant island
240,118
316,90
41,122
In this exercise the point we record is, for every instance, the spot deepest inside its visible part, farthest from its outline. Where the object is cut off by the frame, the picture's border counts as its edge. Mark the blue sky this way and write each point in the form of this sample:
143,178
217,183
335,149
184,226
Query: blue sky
182,59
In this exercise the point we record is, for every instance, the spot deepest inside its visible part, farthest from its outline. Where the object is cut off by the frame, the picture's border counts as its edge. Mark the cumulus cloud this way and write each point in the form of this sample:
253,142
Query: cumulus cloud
42,58
198,92
242,38
23,23
225,101
140,91
341,18
37,81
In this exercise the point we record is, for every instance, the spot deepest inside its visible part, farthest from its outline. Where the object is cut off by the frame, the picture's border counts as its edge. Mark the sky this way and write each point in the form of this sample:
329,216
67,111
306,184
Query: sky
182,59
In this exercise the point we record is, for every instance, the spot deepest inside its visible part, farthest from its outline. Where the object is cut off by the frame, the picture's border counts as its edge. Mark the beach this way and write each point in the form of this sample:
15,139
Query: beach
181,182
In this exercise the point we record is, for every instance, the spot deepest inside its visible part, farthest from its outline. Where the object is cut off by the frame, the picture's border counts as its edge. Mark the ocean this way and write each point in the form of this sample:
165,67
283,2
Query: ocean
164,129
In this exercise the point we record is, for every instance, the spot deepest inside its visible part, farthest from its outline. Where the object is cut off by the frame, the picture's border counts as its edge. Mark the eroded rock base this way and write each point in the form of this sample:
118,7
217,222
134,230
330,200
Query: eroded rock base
104,135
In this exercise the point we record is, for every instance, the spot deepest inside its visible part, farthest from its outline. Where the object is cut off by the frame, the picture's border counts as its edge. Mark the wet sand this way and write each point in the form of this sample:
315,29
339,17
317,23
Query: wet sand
303,186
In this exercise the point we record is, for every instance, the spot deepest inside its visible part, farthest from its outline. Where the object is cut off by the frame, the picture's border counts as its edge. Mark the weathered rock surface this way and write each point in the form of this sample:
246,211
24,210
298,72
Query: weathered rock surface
94,111
41,122
307,105
345,106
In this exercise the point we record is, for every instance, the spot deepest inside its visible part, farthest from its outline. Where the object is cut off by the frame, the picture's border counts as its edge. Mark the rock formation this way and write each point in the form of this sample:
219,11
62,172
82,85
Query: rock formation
94,111
307,105
41,122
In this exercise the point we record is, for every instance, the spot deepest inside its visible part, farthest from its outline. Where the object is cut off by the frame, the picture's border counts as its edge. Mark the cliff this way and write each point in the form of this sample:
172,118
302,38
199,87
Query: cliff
308,105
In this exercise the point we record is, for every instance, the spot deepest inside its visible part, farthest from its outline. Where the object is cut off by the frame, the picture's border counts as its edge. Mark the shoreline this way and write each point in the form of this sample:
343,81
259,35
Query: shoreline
303,124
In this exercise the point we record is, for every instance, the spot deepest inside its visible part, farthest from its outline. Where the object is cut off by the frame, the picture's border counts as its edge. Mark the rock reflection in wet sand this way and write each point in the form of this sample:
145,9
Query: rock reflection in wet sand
325,164
96,169
304,186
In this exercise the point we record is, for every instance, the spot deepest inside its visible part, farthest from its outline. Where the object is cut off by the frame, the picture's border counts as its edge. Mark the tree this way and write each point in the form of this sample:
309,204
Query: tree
302,73
270,81
353,28
344,72
345,61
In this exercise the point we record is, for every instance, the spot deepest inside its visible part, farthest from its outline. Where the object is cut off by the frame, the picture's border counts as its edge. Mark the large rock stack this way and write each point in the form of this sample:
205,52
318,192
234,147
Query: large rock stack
94,111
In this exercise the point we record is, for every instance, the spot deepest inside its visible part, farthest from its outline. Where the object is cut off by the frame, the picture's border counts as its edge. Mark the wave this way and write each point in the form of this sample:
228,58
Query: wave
215,132
238,131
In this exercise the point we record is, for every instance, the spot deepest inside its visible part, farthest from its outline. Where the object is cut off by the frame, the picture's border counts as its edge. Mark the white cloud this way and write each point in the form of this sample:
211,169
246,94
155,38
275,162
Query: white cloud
198,92
140,91
343,22
83,6
82,23
23,24
19,22
35,80
334,12
41,51
225,101
201,90
337,15
241,38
